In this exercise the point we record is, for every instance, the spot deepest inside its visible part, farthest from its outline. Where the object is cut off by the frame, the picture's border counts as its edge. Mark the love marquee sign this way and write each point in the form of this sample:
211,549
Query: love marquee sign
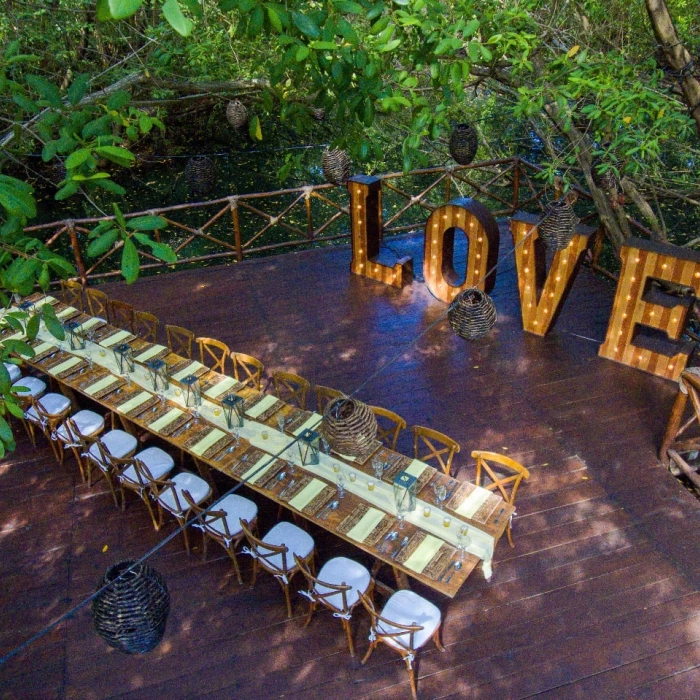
658,282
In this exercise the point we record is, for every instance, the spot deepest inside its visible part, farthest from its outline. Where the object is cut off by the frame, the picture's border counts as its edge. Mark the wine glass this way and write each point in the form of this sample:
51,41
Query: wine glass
280,422
463,540
340,484
291,466
325,445
378,467
440,491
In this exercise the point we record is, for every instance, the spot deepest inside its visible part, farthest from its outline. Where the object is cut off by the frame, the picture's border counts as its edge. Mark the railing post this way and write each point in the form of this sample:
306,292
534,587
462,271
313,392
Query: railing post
75,245
309,216
516,185
233,201
448,184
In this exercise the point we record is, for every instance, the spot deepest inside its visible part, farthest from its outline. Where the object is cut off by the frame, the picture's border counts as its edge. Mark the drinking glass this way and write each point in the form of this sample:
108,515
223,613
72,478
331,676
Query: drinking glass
325,445
378,467
440,491
463,540
370,485
291,466
340,484
280,422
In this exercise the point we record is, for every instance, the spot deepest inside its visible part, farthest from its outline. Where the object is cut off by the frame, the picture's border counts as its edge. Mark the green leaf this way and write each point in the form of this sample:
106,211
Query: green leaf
102,244
5,382
173,13
46,90
111,186
160,250
130,261
255,23
26,104
147,223
78,157
19,347
117,100
306,25
121,9
275,21
53,326
254,128
120,156
351,8
103,13
66,191
48,151
302,53
5,431
33,327
78,88
323,45
118,215
13,407
390,46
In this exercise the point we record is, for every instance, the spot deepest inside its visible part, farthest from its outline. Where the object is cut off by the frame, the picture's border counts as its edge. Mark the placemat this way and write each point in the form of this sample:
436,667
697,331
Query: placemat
193,367
296,419
269,412
363,458
108,388
116,338
440,562
413,544
104,332
219,384
228,459
207,440
307,494
320,502
300,482
484,513
154,352
219,446
41,350
268,480
53,359
256,403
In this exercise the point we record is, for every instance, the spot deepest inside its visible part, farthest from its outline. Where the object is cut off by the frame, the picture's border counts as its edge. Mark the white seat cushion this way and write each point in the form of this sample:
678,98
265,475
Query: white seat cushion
341,570
87,422
294,538
14,371
54,404
237,508
408,608
36,386
157,461
118,443
185,481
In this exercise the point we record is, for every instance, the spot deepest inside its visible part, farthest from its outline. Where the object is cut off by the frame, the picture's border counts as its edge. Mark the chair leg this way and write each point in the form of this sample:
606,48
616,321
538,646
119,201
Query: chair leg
255,573
348,634
510,534
184,534
287,598
412,676
437,640
312,608
29,428
369,651
236,568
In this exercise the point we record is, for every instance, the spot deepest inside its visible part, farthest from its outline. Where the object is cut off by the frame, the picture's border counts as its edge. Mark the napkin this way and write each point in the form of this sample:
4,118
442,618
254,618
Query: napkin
223,386
68,311
190,369
72,362
263,460
206,442
101,384
312,422
134,402
261,406
424,554
164,421
148,354
307,494
42,347
115,339
88,324
366,524
473,502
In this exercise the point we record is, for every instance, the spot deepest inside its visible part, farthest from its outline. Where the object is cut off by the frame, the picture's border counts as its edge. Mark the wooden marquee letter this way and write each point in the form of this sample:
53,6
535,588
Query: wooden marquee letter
366,229
542,293
648,318
481,230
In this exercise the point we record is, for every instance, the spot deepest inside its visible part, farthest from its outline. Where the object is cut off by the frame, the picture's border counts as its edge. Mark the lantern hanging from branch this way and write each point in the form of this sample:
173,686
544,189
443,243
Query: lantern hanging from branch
236,114
559,225
349,426
130,615
200,174
336,166
472,314
464,143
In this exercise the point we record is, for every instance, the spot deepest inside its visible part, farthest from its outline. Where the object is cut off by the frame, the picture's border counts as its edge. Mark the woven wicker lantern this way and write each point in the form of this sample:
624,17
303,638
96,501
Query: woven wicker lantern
237,114
559,225
318,113
606,181
464,143
472,314
130,615
336,166
200,174
349,426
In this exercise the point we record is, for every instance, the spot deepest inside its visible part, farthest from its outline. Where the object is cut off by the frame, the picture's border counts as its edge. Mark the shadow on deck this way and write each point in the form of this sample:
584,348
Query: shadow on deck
600,596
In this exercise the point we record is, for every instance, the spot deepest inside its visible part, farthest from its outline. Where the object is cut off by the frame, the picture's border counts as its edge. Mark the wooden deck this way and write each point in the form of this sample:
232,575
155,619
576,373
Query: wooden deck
600,597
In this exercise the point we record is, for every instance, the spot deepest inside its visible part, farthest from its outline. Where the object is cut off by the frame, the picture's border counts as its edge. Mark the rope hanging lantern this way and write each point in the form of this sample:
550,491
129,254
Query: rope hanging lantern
464,143
349,426
236,114
559,225
472,314
130,614
336,166
200,174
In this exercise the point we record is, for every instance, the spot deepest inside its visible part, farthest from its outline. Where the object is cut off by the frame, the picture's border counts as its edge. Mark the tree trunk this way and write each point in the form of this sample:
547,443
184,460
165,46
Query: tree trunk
635,195
676,55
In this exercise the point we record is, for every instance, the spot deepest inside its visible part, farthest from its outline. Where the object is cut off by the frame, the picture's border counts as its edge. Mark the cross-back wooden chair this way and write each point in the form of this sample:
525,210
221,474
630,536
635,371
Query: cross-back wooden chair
405,624
47,413
337,587
324,395
389,425
98,303
32,387
146,326
223,523
291,388
76,432
121,314
99,455
275,553
168,494
179,340
155,462
73,294
213,354
494,466
429,444
247,369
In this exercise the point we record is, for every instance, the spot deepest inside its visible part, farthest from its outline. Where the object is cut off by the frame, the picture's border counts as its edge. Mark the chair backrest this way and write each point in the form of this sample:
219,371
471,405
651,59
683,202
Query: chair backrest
208,521
389,425
213,353
48,422
121,314
324,395
291,388
332,589
401,636
97,303
146,326
73,294
179,340
490,463
247,370
158,487
264,552
73,434
430,444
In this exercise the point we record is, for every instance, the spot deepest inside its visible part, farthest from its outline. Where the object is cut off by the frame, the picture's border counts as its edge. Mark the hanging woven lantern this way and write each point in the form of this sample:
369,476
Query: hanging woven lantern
237,114
130,615
318,113
464,143
336,166
607,180
200,174
472,314
559,225
349,426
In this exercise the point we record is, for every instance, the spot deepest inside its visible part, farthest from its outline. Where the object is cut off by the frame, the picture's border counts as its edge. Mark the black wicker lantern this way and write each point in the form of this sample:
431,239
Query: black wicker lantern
200,174
336,166
130,614
464,143
558,226
472,314
236,114
349,426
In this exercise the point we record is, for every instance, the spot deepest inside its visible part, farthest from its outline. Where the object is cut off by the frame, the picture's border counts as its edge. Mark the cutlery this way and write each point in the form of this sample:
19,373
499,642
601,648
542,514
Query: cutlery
452,490
444,573
331,506
183,429
457,566
287,487
389,538
404,542
500,512
334,506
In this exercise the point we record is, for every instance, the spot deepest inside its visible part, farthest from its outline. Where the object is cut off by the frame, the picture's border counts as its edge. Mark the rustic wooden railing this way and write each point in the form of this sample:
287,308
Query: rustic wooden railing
248,225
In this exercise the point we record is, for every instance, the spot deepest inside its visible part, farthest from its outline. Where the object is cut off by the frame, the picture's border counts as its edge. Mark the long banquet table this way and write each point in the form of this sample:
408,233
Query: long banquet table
366,518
